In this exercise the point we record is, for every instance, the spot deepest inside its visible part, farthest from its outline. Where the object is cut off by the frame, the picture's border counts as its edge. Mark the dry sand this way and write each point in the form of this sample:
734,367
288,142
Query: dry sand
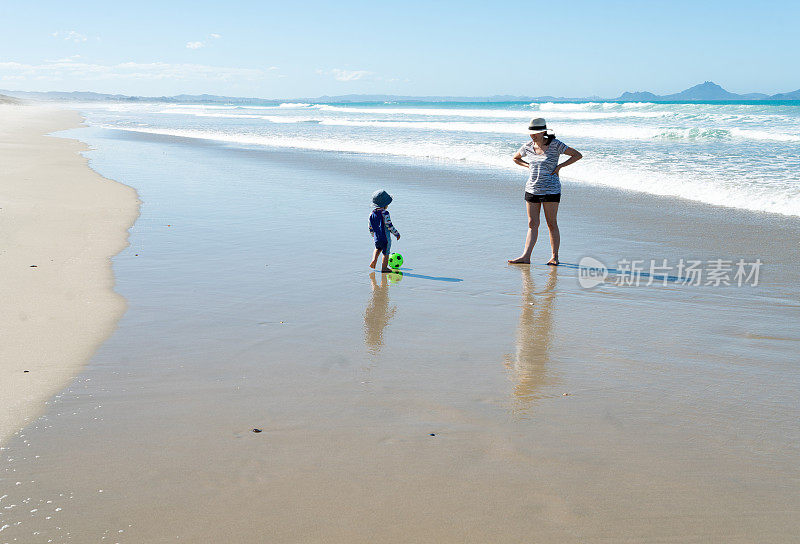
60,222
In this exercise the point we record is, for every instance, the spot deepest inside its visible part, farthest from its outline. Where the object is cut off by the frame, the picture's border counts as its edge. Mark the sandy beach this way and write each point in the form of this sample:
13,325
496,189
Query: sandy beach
60,222
464,401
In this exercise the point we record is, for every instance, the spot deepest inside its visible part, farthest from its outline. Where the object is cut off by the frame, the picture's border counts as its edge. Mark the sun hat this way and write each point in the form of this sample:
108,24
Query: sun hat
537,125
381,199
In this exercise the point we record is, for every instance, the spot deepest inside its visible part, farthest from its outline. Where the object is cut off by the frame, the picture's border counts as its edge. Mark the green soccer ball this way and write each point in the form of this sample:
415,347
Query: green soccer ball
395,261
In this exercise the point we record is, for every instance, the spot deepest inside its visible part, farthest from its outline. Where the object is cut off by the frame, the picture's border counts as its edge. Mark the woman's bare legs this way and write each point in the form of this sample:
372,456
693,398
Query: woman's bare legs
550,213
533,232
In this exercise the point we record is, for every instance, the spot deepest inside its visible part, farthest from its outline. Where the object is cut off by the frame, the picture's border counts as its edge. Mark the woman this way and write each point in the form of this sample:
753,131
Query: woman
543,188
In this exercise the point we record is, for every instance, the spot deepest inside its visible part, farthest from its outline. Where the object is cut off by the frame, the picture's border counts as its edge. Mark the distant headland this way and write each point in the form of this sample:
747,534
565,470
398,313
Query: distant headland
708,91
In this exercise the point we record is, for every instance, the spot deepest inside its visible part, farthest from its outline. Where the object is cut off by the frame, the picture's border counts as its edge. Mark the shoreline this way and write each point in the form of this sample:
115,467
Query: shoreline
60,225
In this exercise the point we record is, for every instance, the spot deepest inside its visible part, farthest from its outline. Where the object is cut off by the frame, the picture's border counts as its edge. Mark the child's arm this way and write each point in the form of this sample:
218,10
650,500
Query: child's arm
388,221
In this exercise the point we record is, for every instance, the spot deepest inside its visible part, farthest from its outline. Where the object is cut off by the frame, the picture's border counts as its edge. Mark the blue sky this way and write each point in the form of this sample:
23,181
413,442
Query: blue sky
308,49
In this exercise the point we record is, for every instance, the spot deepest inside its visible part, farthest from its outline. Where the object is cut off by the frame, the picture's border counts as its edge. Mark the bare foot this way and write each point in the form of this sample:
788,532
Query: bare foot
520,260
387,270
553,261
372,264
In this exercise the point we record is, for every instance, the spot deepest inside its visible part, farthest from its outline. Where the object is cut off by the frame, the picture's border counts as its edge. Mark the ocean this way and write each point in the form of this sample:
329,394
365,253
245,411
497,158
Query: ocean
743,155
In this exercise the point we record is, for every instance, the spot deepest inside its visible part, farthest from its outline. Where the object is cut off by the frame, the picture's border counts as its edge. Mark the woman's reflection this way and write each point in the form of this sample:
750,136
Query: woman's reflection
378,313
528,367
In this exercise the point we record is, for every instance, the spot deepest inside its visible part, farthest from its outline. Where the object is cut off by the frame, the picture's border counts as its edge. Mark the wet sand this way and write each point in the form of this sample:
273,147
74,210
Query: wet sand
464,401
60,222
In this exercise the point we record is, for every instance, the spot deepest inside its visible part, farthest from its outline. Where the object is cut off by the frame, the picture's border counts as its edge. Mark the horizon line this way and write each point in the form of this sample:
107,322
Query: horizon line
727,96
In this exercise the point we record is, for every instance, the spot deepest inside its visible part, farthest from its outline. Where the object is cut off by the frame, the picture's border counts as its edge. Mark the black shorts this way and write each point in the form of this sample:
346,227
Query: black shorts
530,197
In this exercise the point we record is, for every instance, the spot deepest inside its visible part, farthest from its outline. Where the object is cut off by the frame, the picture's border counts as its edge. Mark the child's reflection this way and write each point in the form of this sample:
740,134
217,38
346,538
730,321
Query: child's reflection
528,366
378,312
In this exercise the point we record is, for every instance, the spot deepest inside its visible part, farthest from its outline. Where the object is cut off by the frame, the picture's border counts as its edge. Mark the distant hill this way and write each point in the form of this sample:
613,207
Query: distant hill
638,96
711,91
794,95
704,92
707,91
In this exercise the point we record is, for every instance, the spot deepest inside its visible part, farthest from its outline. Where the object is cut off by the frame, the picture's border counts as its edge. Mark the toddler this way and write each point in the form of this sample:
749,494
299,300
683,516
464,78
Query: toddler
380,226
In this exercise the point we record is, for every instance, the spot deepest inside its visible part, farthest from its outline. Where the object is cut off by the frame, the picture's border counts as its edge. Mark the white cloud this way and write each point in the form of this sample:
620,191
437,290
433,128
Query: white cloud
69,68
346,75
200,45
70,36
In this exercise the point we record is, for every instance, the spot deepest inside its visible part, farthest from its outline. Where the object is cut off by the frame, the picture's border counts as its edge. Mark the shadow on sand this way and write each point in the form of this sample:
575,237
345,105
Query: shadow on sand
406,274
